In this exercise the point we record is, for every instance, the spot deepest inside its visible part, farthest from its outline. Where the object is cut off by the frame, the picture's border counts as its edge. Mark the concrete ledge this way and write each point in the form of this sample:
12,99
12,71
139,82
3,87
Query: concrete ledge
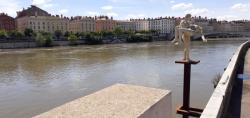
117,101
219,101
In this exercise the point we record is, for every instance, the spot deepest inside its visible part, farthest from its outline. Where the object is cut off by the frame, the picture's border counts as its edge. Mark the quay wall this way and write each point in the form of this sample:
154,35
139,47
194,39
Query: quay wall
219,101
32,44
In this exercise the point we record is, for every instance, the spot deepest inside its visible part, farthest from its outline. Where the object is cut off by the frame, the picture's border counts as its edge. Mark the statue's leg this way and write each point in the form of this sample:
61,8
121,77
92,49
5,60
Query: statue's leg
180,33
186,39
176,38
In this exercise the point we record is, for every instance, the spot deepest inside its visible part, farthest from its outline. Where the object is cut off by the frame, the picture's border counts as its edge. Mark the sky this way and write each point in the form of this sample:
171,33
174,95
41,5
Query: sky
126,9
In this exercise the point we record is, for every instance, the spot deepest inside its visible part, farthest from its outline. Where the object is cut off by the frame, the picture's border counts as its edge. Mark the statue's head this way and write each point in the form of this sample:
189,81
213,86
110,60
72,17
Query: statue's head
188,16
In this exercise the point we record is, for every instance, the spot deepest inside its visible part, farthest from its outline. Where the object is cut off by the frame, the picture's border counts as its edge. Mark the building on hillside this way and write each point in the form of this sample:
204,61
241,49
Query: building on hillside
7,22
82,24
104,23
43,23
141,24
126,25
32,11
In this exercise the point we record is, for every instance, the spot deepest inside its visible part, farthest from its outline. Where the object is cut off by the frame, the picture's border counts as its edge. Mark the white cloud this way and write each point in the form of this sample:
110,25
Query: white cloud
10,7
63,11
112,14
108,7
135,16
227,17
93,13
241,7
113,0
182,6
197,11
172,1
43,3
40,2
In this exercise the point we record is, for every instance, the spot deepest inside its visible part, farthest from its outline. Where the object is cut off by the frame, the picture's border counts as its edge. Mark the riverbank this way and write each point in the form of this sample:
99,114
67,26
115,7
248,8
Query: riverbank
229,39
56,43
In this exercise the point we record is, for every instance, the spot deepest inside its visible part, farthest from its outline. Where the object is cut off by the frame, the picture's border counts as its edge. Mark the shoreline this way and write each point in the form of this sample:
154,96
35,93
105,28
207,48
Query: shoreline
33,45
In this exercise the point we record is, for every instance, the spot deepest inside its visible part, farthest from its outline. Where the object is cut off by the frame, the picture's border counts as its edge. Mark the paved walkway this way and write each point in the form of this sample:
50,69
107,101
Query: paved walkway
245,101
239,106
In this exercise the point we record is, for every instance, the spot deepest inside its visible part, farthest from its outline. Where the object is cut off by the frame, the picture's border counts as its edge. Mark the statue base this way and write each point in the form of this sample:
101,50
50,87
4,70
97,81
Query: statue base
185,110
187,62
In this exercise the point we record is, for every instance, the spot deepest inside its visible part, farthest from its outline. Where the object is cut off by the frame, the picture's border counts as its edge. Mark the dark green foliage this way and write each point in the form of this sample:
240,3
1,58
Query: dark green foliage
73,39
15,35
29,32
66,34
58,34
3,34
44,39
139,38
94,38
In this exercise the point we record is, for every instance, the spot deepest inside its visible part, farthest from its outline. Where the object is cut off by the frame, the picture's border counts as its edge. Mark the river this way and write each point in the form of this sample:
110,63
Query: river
33,81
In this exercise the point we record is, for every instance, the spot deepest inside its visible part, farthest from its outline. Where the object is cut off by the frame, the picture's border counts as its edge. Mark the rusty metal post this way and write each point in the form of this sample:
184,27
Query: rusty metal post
185,109
186,87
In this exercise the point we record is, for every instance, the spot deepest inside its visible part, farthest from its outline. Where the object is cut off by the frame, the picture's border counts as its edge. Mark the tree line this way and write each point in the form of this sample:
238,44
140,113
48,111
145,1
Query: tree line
91,38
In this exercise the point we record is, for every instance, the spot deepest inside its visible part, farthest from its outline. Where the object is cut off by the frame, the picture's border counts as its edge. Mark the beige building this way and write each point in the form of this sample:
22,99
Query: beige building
162,25
126,25
141,24
43,23
82,24
104,23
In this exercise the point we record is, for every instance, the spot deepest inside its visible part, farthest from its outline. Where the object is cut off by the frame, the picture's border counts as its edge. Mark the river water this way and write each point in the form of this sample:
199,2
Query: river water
33,81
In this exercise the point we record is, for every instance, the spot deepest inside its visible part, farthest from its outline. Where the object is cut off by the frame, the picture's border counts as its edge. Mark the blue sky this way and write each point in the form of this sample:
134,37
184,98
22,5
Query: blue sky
125,9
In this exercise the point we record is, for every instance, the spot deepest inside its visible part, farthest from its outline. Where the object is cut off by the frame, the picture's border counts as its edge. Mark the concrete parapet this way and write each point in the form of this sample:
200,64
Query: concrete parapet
219,101
117,101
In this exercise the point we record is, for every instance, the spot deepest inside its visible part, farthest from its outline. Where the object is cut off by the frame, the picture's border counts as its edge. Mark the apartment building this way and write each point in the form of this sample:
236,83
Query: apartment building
82,24
105,23
43,23
7,23
126,25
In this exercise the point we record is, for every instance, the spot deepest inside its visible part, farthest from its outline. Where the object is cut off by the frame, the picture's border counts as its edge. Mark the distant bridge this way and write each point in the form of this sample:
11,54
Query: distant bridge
219,35
222,35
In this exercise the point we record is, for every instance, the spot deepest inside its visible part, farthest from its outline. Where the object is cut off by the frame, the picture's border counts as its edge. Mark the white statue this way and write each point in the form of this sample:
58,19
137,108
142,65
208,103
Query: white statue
183,34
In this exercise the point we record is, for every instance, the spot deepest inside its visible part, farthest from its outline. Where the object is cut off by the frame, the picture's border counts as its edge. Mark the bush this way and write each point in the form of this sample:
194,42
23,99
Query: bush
3,34
66,34
216,79
93,39
44,39
139,38
72,38
58,34
15,35
29,32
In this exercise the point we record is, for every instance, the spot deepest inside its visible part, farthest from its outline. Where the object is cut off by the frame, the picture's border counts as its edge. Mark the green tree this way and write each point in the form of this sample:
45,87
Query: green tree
40,39
118,31
66,34
44,39
93,38
78,35
15,34
3,34
72,38
58,34
28,32
48,39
